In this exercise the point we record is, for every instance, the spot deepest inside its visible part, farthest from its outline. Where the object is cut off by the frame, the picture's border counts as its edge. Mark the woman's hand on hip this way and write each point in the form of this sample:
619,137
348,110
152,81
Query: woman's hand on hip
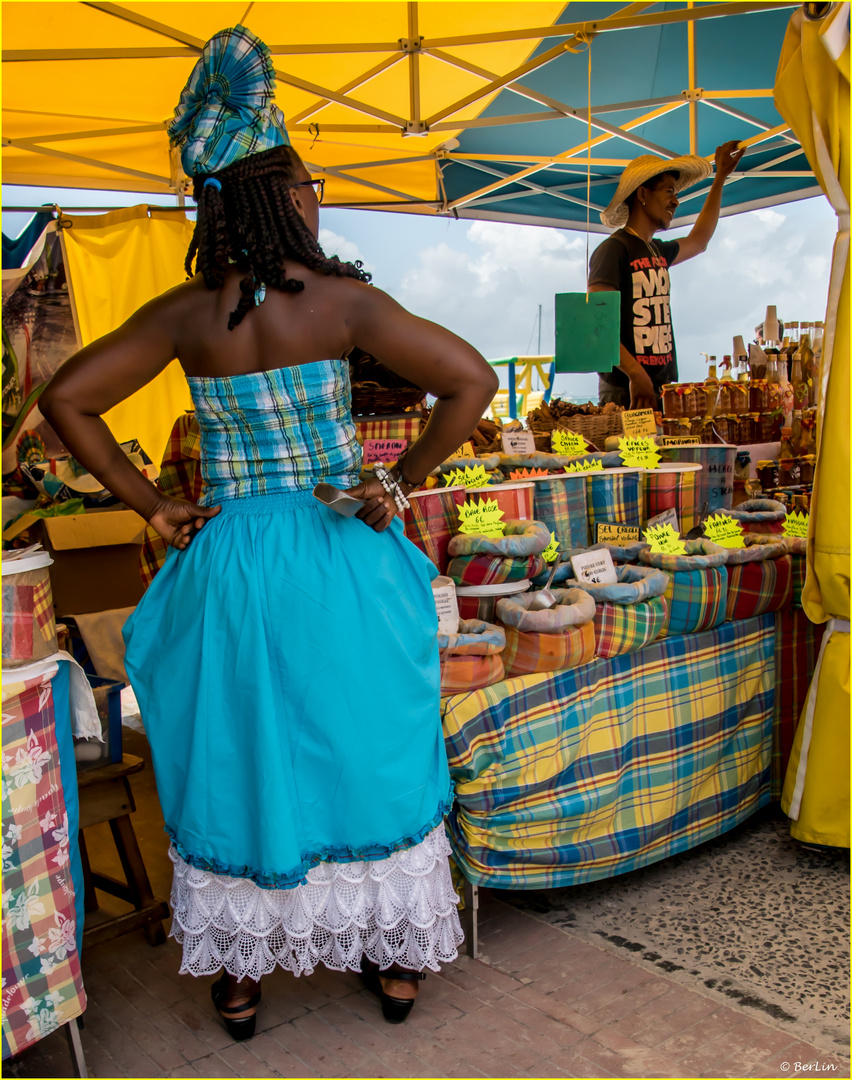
177,520
379,508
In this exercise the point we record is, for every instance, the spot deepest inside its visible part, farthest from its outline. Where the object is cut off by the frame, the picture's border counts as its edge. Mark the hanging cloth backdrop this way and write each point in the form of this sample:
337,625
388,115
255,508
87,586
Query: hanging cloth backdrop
117,262
812,94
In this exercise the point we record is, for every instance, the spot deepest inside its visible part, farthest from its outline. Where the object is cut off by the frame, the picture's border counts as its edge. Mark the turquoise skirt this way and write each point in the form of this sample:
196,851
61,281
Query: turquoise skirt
286,668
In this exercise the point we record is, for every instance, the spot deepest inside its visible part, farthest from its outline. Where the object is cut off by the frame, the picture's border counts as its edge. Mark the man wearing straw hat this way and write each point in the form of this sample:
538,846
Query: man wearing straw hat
635,265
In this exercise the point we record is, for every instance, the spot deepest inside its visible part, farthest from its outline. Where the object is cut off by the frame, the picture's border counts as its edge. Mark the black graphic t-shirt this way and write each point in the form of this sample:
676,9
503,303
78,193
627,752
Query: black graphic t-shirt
640,272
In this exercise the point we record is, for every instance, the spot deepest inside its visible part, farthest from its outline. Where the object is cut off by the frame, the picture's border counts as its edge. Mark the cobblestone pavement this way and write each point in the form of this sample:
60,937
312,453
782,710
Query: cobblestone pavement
541,1001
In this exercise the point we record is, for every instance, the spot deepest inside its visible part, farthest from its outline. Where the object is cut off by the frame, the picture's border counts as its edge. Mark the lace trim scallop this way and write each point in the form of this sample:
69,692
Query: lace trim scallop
269,879
401,909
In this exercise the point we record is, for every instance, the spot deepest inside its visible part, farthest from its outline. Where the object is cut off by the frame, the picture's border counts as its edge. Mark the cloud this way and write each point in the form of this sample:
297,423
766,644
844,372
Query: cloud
334,244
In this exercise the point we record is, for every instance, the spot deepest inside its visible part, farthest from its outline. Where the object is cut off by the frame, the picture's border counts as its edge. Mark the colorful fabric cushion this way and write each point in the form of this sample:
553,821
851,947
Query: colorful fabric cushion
760,515
696,600
700,554
573,607
757,587
475,638
529,652
464,673
624,628
758,546
521,538
493,569
635,584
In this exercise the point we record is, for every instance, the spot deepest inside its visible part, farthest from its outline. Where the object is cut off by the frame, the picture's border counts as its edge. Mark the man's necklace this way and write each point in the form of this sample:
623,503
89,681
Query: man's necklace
633,232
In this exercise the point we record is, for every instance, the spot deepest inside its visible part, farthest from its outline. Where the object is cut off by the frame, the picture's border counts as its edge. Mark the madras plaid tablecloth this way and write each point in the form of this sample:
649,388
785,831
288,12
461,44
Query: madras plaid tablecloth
391,427
42,985
797,642
588,773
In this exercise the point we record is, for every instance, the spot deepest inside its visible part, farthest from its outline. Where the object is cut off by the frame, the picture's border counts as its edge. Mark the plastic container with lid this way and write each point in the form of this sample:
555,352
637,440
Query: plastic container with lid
29,624
672,400
480,601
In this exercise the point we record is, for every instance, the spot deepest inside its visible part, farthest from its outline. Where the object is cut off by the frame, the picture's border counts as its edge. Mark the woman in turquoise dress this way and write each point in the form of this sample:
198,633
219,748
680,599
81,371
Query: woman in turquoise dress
285,657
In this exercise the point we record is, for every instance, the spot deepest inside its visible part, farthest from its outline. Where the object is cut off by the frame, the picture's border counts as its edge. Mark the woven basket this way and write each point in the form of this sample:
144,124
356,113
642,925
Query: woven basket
594,429
371,399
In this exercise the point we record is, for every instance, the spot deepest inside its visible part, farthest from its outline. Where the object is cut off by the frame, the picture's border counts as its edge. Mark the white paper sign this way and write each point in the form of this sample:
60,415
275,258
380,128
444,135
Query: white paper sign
668,517
446,604
518,442
595,567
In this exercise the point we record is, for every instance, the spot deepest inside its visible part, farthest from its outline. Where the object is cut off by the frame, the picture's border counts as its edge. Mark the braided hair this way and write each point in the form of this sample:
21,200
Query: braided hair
250,222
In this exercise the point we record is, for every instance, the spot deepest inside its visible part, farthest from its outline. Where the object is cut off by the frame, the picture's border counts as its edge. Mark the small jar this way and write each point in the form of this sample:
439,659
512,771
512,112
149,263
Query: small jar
688,403
739,397
791,470
720,423
749,429
758,395
672,426
700,400
807,468
768,474
723,400
696,425
733,429
672,400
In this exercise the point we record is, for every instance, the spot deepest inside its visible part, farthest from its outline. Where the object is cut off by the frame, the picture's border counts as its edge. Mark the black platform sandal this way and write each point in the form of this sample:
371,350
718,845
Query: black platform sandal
394,1009
243,1027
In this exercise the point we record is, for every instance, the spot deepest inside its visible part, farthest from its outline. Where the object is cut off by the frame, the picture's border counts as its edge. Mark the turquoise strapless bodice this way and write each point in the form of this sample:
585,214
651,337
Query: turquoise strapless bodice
276,431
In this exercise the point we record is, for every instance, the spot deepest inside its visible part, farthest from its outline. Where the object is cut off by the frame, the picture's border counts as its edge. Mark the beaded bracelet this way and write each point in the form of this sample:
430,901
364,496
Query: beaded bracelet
391,486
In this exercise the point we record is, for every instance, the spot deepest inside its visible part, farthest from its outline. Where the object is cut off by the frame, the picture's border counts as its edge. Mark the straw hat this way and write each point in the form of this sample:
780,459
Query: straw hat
689,168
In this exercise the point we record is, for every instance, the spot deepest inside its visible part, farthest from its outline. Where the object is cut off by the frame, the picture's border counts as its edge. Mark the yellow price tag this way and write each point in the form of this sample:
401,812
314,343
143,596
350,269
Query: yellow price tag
551,552
665,541
482,517
589,465
796,525
638,422
640,452
464,451
475,477
617,535
569,443
725,531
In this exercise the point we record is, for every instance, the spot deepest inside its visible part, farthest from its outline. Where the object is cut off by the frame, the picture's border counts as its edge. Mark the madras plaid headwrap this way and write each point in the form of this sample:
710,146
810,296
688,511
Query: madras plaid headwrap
797,642
624,628
666,489
493,569
225,111
180,477
757,587
529,652
42,985
587,773
615,497
561,505
696,599
462,673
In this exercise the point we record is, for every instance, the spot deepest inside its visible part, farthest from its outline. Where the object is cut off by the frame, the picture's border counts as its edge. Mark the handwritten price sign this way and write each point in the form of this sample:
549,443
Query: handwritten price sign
796,525
639,452
468,477
482,517
568,443
383,450
665,541
464,451
589,465
551,552
518,442
725,531
638,422
618,535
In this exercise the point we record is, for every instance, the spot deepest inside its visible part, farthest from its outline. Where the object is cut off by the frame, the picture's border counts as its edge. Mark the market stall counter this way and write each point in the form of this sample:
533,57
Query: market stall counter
582,774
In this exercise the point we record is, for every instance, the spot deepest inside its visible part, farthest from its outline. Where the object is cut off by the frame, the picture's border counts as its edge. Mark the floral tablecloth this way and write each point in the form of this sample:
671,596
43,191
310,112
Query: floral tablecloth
42,984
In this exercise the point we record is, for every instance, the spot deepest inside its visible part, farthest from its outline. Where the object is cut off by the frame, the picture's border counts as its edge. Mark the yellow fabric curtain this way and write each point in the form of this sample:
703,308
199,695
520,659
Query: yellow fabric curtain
115,263
812,94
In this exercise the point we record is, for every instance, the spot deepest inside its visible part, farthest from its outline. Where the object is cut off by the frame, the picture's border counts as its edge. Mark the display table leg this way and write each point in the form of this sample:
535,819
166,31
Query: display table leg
470,920
72,1030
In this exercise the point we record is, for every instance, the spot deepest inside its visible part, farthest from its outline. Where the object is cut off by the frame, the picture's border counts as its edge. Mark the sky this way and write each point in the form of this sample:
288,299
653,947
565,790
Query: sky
485,280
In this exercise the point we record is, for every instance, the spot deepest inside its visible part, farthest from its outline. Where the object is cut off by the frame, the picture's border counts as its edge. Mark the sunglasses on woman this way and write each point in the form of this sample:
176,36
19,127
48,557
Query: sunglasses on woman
317,185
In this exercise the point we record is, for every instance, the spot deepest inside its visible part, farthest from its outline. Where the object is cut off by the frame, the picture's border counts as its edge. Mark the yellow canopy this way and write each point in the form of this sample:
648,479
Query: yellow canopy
812,93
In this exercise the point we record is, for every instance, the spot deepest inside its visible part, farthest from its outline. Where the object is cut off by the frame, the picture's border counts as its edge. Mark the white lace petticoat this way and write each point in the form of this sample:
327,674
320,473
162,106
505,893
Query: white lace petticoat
401,910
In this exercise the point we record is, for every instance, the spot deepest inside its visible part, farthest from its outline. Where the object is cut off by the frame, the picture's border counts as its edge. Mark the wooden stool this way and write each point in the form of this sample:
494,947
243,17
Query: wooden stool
105,795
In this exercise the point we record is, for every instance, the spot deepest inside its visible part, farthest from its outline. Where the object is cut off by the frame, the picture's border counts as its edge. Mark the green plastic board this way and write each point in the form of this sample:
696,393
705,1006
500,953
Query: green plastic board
588,333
